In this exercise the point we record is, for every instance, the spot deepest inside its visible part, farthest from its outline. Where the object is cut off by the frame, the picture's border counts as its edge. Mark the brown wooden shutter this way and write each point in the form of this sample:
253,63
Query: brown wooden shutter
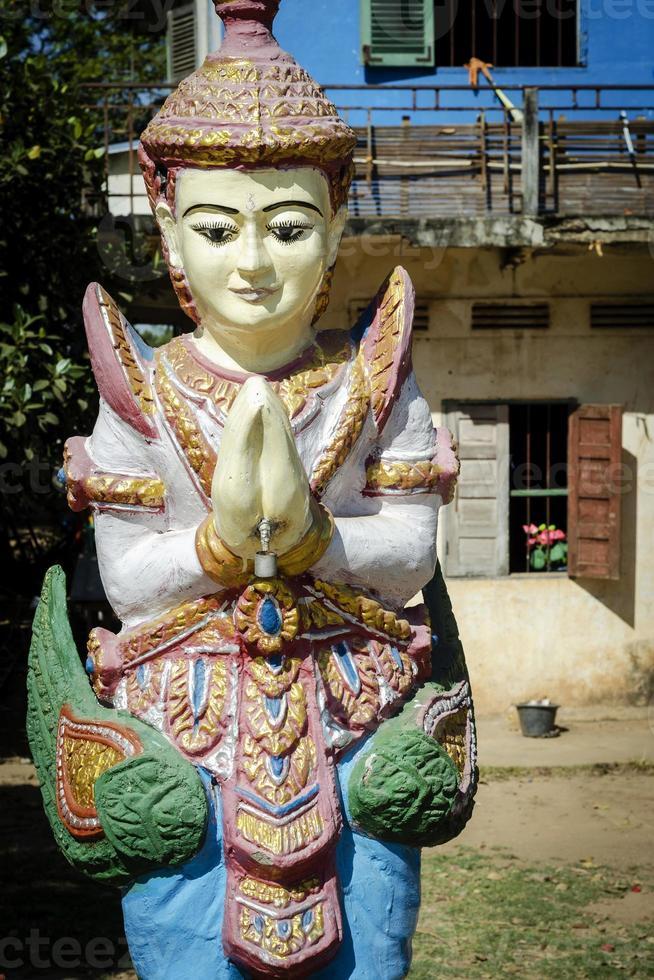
594,457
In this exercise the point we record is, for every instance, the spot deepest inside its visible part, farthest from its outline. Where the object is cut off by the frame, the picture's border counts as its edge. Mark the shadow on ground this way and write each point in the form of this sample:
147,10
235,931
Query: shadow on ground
55,923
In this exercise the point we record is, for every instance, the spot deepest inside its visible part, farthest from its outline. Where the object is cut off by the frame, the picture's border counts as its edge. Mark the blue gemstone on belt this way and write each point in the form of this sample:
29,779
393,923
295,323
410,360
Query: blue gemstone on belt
90,665
269,617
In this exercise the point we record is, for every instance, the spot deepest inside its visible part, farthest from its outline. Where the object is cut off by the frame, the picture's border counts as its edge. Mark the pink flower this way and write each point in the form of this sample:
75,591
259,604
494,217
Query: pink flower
529,528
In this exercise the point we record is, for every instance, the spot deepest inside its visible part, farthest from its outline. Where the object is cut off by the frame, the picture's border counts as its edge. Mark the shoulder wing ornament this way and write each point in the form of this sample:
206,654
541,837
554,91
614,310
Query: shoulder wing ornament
384,331
120,361
120,799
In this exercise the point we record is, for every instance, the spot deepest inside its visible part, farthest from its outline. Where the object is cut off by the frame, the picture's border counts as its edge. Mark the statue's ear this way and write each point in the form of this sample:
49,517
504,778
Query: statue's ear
168,228
336,227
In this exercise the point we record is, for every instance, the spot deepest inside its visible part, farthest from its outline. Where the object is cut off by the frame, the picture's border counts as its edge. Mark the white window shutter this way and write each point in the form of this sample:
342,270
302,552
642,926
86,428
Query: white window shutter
181,42
477,520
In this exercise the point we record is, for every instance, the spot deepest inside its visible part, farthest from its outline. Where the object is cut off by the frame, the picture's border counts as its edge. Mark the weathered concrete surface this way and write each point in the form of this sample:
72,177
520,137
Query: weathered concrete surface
508,231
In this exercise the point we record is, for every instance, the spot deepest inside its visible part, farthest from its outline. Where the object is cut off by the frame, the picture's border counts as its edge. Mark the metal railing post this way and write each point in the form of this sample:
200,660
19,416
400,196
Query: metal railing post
530,153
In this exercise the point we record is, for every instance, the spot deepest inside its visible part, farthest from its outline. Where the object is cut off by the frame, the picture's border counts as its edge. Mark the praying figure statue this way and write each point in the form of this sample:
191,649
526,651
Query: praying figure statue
260,753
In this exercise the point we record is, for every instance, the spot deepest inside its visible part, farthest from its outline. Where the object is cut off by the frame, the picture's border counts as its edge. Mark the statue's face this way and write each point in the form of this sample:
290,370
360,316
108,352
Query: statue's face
254,245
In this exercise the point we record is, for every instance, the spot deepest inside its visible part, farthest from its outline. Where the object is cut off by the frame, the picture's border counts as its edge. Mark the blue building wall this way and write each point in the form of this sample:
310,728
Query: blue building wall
616,45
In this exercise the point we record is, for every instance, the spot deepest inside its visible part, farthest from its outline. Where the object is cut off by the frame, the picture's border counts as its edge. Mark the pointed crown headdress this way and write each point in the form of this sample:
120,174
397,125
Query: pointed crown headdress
250,105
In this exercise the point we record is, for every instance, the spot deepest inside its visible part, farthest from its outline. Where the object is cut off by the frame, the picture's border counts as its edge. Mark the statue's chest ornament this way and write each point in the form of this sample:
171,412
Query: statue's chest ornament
266,615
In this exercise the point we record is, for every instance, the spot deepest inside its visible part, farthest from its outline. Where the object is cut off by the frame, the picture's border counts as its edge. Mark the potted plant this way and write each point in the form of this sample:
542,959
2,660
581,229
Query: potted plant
546,546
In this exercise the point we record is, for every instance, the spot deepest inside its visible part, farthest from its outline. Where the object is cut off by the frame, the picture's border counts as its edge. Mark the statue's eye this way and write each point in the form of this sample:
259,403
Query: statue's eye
216,234
289,232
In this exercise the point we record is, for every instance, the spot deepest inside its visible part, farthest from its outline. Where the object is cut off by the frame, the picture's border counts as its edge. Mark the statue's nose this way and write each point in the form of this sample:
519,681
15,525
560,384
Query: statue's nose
253,257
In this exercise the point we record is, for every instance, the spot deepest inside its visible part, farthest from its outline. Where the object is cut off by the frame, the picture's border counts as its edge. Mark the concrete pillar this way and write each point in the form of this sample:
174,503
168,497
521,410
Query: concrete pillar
530,153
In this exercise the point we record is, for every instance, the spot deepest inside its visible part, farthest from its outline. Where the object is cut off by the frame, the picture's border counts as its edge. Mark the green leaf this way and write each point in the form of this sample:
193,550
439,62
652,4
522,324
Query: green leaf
19,419
50,418
559,552
41,383
538,559
47,349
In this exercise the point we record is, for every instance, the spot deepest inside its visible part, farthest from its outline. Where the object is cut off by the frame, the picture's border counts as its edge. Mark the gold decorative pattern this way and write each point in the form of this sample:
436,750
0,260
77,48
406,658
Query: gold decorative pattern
246,614
280,839
143,694
330,352
85,762
347,429
273,685
422,476
201,617
451,733
316,615
313,545
364,609
85,750
270,893
389,335
196,733
276,740
357,708
219,563
134,491
136,377
87,485
263,931
249,112
396,667
302,763
181,419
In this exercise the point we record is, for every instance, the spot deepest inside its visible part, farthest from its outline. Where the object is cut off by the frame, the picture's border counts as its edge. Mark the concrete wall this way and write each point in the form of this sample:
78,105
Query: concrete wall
530,636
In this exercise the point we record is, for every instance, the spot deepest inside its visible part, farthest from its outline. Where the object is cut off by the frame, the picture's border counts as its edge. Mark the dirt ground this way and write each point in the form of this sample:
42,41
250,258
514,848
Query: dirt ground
577,820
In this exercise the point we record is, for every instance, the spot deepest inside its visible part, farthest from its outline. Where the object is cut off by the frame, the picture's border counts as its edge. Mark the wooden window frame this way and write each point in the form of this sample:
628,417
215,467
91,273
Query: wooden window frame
594,455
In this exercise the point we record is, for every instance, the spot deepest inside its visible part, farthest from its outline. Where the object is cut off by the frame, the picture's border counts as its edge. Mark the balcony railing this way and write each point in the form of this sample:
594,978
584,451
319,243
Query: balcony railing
446,151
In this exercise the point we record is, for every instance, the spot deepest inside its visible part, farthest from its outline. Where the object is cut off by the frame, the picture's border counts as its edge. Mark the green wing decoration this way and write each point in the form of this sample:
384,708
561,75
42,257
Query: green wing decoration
417,781
120,799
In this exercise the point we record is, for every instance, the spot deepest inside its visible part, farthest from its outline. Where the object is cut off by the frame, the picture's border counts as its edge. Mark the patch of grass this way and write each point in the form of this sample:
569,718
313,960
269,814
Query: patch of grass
633,767
484,917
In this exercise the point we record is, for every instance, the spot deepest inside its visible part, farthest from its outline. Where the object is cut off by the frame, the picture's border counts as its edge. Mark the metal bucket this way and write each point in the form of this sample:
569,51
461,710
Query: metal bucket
537,720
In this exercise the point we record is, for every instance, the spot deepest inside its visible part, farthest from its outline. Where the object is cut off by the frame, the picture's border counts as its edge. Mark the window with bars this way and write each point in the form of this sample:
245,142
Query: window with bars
506,33
532,464
538,482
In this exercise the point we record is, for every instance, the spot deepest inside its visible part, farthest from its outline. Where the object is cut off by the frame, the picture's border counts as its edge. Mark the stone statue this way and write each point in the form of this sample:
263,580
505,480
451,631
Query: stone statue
272,736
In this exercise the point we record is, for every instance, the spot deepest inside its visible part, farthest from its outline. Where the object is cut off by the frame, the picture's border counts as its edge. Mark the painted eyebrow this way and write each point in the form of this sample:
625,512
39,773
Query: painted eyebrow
211,207
271,207
293,204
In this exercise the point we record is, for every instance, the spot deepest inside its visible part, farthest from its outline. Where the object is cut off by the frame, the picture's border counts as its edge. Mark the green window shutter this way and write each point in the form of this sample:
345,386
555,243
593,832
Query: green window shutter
397,32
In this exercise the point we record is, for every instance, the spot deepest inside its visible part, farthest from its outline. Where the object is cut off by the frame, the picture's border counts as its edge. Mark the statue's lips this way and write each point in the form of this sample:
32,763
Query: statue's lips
254,295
